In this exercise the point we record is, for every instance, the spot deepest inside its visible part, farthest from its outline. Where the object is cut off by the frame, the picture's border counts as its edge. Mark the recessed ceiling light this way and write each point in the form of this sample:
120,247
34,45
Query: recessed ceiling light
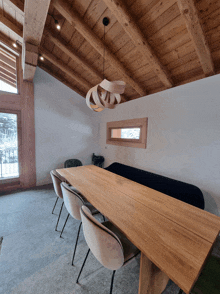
15,45
41,58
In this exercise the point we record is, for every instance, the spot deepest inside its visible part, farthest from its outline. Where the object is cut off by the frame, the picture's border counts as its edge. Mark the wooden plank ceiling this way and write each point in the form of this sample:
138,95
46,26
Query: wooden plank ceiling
152,45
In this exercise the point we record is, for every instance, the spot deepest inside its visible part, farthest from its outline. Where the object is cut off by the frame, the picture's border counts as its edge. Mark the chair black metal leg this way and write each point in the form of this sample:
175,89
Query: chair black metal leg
76,242
180,291
55,204
64,225
111,288
82,266
59,216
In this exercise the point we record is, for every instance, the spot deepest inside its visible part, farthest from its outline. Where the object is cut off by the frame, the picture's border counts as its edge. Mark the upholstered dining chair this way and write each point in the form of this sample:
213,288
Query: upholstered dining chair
57,180
73,201
72,163
111,248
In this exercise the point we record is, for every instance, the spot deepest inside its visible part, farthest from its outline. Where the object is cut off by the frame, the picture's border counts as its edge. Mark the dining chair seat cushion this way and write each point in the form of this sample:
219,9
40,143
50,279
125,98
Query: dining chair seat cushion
130,250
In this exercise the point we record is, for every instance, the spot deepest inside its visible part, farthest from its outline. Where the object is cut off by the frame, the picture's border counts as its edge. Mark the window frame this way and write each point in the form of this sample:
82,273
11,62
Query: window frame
15,180
141,123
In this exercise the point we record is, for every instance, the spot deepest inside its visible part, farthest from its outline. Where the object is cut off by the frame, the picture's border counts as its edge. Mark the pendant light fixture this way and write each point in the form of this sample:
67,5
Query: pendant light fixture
57,25
107,93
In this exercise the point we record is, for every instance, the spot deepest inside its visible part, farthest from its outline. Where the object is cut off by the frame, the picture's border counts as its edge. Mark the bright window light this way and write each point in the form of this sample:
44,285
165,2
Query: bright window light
126,133
7,88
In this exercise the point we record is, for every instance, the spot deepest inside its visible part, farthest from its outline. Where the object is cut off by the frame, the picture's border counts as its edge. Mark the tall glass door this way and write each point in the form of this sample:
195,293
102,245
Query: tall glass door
9,154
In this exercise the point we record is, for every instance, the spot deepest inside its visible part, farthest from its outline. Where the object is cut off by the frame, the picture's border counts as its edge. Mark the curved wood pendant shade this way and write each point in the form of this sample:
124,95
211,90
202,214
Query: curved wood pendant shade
105,95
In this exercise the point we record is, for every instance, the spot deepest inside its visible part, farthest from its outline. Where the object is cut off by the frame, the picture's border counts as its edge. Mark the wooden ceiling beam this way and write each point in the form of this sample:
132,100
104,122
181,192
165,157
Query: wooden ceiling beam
7,73
73,18
7,61
16,3
7,54
8,68
7,81
6,77
60,43
7,43
61,65
67,49
11,25
190,14
122,14
35,14
62,80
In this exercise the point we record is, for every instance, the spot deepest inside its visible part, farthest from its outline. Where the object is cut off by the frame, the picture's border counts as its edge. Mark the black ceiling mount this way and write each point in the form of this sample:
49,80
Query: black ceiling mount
105,21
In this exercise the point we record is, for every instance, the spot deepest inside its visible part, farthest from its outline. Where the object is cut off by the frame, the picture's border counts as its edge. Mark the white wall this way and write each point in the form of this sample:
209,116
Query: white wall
183,139
64,126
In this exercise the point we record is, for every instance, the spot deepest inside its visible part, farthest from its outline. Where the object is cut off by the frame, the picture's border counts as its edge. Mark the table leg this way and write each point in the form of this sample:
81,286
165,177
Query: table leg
151,280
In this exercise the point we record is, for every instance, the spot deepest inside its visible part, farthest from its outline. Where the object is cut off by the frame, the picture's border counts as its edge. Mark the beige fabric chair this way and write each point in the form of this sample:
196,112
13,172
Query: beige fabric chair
73,201
111,248
57,180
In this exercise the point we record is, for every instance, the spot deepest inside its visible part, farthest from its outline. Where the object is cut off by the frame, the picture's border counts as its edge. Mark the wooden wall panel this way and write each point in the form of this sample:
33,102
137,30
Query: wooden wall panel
10,101
28,176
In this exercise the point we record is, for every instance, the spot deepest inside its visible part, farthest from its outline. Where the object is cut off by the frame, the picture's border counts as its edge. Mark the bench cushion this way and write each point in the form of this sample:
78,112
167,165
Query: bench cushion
177,189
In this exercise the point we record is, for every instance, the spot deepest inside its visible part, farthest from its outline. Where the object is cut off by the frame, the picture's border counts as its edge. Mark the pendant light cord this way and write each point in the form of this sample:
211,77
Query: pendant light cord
104,55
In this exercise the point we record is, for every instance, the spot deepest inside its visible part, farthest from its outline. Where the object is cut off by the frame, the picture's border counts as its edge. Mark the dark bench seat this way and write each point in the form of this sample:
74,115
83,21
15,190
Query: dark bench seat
179,190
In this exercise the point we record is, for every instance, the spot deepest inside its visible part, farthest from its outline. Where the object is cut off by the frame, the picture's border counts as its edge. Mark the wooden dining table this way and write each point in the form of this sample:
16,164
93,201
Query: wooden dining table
175,238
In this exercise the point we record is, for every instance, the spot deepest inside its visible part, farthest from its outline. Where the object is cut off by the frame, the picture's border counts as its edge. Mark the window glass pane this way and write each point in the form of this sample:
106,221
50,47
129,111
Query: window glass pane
126,133
8,146
7,88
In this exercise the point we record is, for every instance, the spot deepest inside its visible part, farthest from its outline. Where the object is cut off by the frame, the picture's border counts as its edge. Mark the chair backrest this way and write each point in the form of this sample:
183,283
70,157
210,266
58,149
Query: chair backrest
72,200
103,243
57,180
72,163
97,160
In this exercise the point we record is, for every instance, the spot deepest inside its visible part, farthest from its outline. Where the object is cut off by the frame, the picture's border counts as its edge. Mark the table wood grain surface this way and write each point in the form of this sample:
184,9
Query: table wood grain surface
173,235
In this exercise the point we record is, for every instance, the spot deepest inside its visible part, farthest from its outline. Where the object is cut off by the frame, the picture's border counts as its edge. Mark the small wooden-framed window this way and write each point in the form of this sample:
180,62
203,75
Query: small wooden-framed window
129,133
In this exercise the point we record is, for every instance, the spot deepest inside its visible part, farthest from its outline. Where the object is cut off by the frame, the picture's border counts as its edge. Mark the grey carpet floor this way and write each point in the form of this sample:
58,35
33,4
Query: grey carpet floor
35,260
